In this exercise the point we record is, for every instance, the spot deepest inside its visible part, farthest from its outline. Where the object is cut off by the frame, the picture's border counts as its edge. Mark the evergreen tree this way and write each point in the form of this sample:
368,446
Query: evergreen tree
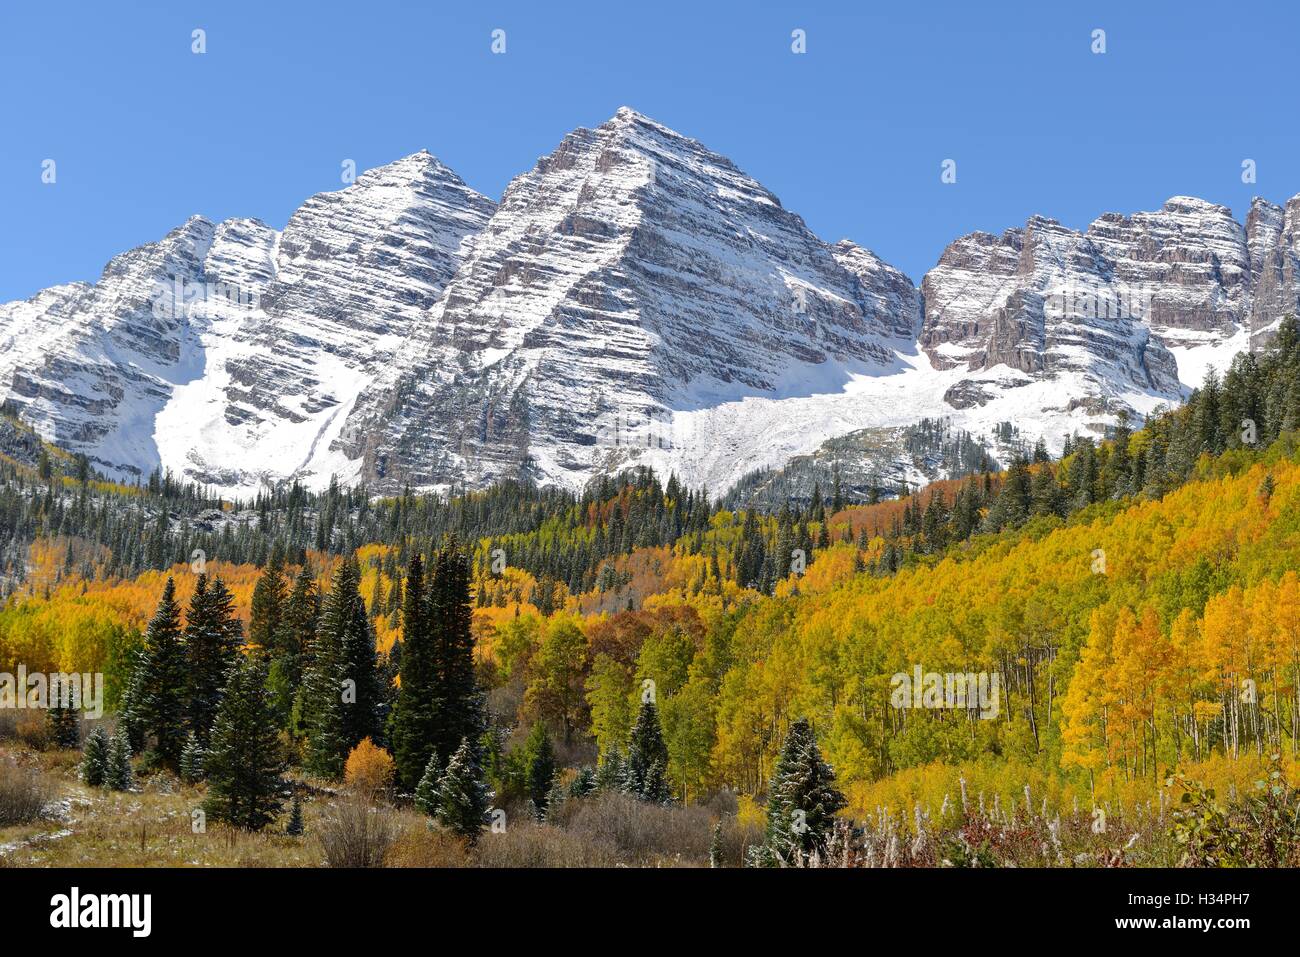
611,772
647,756
244,763
213,635
413,727
335,693
457,703
541,767
288,667
426,792
463,798
192,760
117,772
63,718
295,826
266,615
715,846
802,801
129,720
94,759
162,680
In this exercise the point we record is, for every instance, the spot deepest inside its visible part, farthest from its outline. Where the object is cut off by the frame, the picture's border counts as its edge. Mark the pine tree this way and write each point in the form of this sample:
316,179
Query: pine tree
213,635
265,619
117,772
348,635
715,846
94,759
802,801
244,763
426,792
413,726
162,680
295,826
611,772
541,767
463,798
129,720
62,717
647,755
328,729
458,705
192,760
289,667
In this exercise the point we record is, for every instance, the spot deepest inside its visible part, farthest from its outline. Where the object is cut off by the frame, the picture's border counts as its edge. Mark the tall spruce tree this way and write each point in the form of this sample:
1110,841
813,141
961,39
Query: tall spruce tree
463,797
802,801
414,724
541,767
161,688
458,705
341,690
266,615
289,667
213,635
244,763
363,716
647,756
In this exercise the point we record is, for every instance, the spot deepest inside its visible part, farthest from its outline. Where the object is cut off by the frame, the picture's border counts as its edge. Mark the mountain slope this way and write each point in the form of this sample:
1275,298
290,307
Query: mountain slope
635,299
631,276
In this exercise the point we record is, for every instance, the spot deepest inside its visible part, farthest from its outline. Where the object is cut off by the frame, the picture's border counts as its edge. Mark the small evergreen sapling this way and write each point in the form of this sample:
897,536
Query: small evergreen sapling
62,718
192,760
94,760
426,792
463,798
295,826
117,773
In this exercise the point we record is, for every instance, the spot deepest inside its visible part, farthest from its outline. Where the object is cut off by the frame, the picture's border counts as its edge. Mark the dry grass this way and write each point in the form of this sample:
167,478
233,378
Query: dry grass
24,792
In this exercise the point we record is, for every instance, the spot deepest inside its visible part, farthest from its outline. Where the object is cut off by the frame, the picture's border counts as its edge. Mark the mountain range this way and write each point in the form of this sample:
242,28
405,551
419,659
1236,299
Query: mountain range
634,298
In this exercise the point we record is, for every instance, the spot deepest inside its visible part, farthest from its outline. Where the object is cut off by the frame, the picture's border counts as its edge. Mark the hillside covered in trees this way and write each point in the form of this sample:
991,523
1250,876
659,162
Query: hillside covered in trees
519,661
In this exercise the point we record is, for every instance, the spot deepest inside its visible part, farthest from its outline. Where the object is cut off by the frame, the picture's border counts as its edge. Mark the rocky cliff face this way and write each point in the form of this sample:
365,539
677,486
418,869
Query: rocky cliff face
634,299
1273,244
632,275
1117,302
226,352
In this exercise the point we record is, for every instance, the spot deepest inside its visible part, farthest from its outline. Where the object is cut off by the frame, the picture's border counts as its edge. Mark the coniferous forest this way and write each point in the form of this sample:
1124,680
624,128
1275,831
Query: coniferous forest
641,675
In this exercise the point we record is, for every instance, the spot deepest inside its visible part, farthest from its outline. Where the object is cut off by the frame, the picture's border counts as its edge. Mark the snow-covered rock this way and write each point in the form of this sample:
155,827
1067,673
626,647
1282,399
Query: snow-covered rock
634,299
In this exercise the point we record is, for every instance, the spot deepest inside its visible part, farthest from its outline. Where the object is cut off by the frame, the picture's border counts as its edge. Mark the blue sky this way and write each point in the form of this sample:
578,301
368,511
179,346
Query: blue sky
851,134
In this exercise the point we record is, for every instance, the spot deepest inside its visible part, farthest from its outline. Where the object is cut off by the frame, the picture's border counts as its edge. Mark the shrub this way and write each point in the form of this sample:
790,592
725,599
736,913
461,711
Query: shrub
23,794
419,845
542,845
356,834
369,769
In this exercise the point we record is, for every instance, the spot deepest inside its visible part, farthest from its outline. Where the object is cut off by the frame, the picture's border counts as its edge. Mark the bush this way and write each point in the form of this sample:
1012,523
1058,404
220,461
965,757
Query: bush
637,832
31,729
419,845
369,769
541,845
23,794
356,834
